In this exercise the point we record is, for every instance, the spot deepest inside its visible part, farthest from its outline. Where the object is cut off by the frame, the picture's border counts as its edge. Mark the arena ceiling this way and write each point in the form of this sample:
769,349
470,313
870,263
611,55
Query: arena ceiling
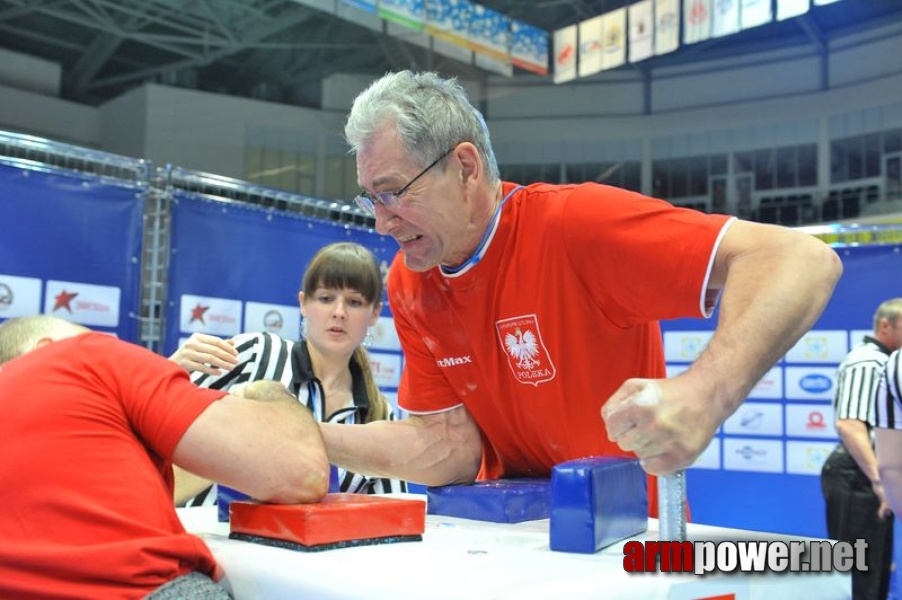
280,50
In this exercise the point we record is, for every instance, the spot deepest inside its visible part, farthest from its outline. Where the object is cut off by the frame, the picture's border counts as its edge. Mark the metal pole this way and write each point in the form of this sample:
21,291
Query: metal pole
672,507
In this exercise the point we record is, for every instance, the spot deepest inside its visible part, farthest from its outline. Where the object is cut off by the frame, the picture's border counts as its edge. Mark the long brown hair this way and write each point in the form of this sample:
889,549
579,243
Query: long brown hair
346,265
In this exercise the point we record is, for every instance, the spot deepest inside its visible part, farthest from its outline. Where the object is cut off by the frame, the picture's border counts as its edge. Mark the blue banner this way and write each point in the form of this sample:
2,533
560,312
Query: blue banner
237,268
70,245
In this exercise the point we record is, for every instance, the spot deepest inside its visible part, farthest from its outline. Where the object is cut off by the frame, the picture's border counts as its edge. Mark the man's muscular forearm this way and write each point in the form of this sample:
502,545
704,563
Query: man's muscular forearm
439,449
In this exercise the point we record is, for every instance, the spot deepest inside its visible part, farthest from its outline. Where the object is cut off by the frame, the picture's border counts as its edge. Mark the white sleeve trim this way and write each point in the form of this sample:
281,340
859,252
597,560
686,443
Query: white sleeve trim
431,412
704,291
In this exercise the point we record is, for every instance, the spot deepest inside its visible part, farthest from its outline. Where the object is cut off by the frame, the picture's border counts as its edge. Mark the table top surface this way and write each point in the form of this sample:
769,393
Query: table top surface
462,558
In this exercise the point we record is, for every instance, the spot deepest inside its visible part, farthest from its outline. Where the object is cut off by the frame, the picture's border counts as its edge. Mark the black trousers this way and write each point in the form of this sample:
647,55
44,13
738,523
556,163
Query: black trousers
851,514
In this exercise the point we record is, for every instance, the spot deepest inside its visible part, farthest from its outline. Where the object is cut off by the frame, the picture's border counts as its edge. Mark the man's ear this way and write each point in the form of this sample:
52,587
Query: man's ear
471,165
41,342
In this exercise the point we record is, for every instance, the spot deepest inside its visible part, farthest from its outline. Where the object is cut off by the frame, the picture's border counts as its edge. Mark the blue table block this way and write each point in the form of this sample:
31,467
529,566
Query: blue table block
500,501
596,502
224,497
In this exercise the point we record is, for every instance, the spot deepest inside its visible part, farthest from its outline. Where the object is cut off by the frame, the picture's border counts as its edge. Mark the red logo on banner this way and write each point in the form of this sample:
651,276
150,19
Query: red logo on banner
815,420
526,352
63,300
197,313
698,14
565,55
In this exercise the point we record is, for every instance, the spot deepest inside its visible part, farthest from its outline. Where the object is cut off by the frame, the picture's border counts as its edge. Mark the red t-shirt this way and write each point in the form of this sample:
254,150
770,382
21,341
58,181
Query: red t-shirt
89,426
559,311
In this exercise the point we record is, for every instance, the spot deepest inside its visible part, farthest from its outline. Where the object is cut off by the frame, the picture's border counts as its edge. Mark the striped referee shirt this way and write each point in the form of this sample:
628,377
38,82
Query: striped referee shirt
889,394
857,380
268,356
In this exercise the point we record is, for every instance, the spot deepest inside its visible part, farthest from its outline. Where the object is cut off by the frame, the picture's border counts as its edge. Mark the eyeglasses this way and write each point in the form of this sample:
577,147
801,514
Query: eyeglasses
367,202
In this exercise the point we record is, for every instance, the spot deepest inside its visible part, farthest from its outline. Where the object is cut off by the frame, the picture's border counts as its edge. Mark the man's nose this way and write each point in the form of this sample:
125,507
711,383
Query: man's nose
383,216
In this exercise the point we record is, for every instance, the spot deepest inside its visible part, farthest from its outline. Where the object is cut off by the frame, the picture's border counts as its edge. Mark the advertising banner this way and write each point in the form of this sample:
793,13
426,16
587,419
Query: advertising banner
71,246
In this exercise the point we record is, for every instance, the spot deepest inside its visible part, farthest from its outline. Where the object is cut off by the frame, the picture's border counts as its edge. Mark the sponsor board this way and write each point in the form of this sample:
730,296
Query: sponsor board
207,314
810,420
820,346
747,454
756,418
19,296
807,458
810,383
384,335
280,319
386,369
685,346
83,302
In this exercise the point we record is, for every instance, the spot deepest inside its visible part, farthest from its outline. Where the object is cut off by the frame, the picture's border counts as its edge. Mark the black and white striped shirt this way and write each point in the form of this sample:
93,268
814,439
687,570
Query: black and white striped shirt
889,394
268,356
857,379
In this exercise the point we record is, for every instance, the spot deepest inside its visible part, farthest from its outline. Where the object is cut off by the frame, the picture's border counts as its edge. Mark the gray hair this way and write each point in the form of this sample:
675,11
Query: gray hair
889,310
19,335
430,114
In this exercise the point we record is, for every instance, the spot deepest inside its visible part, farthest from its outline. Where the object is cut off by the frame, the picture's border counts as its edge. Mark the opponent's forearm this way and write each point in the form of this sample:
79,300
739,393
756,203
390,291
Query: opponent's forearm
270,449
424,453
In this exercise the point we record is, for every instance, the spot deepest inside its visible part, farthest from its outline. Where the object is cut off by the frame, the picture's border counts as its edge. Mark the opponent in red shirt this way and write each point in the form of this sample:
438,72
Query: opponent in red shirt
91,426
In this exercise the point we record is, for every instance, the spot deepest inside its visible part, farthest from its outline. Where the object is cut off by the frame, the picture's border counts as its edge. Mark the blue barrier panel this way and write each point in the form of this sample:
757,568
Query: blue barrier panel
237,268
70,245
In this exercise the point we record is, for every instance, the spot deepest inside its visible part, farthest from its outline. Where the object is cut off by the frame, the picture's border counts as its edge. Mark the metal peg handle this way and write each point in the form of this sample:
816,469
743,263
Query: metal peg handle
672,507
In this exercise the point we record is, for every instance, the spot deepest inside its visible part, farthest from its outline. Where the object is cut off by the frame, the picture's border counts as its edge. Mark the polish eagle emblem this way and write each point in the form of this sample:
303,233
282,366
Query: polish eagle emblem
524,347
520,339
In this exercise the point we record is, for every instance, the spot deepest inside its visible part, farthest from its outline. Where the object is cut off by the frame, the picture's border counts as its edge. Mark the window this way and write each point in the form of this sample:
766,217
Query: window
764,169
744,162
808,165
685,177
698,176
625,174
660,179
872,155
858,157
787,167
679,178
281,169
341,178
892,140
526,174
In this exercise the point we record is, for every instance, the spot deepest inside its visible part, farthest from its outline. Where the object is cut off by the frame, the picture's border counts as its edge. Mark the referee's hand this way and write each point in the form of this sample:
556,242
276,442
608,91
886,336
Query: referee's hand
206,354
